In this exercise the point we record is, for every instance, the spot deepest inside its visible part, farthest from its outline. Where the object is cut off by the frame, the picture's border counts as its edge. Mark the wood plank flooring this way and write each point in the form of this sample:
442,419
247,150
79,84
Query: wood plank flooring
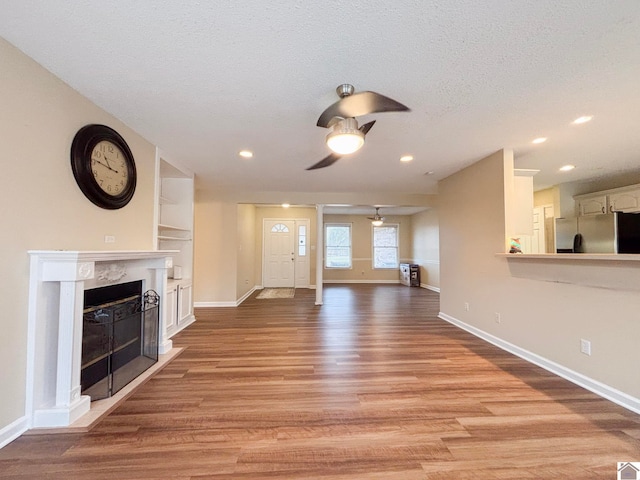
372,385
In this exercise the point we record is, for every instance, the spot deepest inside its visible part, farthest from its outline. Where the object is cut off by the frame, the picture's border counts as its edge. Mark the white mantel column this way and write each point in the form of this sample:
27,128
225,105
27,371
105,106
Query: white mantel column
69,403
68,398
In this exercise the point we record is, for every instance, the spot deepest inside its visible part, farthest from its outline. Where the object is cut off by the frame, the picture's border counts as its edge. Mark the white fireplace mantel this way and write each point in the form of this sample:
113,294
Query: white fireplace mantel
58,279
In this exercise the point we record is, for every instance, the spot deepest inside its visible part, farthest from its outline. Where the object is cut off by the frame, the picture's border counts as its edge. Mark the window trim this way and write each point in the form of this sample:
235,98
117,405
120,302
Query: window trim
373,246
326,245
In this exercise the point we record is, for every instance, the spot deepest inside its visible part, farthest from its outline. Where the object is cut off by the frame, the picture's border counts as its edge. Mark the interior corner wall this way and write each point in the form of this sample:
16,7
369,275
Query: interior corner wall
215,251
42,206
547,319
426,247
246,250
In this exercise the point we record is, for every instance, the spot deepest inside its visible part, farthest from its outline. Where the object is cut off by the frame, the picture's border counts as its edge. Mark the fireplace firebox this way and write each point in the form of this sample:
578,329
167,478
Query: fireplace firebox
119,337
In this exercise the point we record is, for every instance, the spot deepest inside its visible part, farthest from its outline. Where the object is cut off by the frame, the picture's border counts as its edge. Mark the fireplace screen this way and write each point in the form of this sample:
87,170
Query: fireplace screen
119,342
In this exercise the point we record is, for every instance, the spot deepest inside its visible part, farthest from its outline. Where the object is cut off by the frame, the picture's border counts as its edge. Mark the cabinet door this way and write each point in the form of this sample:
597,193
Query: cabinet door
593,205
625,201
185,304
170,310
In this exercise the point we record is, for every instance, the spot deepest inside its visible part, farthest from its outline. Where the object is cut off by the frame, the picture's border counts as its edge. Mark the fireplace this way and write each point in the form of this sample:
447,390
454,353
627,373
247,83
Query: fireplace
61,379
119,337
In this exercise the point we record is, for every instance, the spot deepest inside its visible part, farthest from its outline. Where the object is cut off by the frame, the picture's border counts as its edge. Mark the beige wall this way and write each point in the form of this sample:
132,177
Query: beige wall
42,206
216,246
362,250
426,246
545,318
548,196
246,250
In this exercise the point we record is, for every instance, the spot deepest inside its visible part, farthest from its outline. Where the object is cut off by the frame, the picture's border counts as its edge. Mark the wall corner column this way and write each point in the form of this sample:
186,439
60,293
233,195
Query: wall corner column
319,252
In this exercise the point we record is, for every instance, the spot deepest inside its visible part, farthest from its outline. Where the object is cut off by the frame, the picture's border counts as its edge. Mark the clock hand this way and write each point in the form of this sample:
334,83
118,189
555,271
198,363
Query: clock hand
105,165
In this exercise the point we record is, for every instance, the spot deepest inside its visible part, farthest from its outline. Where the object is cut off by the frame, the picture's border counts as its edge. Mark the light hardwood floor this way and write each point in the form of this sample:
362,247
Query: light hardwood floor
372,385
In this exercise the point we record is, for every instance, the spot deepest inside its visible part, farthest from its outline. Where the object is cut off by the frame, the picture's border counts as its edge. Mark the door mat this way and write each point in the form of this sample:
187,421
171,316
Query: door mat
276,293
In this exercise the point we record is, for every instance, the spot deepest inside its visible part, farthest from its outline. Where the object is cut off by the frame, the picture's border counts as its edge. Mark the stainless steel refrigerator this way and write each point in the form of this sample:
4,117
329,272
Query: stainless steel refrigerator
615,232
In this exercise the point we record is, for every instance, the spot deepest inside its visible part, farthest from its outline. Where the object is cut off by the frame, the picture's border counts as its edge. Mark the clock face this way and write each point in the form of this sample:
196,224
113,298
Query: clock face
109,167
103,166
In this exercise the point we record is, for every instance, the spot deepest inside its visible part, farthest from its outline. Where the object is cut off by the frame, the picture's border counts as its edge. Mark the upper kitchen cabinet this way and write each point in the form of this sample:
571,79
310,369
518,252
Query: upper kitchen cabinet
591,204
623,199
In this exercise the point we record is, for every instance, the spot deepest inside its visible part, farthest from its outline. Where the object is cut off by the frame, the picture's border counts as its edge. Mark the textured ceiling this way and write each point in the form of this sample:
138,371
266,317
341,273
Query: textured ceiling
203,80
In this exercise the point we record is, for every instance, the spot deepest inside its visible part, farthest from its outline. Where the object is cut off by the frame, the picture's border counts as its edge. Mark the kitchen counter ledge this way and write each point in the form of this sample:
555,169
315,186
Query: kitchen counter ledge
578,257
599,270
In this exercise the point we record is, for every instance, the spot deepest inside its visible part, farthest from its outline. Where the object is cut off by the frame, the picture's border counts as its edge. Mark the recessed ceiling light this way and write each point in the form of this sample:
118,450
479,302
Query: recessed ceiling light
430,172
245,153
567,168
406,158
539,140
285,205
583,119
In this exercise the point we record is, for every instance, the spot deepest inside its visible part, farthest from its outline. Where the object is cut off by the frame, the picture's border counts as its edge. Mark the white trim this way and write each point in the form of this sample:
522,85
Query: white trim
361,281
245,296
214,304
237,303
12,431
430,287
599,388
425,262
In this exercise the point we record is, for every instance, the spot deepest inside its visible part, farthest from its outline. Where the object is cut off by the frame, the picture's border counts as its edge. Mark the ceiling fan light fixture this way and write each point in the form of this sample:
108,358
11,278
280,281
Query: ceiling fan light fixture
345,137
376,223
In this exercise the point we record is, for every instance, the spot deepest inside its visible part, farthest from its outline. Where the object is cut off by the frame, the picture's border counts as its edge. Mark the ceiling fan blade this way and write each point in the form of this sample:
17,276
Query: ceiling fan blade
325,162
366,127
361,103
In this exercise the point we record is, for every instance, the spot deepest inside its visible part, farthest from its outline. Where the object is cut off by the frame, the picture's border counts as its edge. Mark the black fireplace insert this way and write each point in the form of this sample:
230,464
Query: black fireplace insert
119,337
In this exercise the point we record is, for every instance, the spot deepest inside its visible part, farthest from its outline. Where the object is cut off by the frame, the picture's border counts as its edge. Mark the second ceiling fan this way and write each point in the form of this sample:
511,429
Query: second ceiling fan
346,137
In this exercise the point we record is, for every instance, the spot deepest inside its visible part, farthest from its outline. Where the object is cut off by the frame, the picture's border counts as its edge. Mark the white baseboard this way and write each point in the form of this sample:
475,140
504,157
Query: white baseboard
361,281
599,388
214,304
245,296
430,287
12,431
237,302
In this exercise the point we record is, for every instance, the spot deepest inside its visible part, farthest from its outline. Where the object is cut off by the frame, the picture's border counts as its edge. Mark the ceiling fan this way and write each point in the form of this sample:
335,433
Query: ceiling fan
376,220
346,137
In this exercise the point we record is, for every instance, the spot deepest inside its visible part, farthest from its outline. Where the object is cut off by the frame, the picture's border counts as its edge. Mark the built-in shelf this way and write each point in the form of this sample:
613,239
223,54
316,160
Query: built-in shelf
174,229
167,201
172,239
163,226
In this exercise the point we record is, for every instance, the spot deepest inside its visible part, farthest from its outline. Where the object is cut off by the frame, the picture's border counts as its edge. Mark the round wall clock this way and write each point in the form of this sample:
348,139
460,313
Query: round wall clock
103,166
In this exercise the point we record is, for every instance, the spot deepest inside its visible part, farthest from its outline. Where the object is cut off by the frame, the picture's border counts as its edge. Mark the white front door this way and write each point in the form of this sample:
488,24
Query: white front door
279,253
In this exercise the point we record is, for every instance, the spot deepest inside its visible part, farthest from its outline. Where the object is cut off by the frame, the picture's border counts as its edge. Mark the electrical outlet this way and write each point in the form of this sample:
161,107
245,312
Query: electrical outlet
466,306
498,318
585,346
109,239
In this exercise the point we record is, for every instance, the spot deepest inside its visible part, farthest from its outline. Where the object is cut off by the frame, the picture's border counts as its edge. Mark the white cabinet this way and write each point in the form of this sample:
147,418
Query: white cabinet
179,305
592,204
623,199
174,232
171,309
185,305
627,201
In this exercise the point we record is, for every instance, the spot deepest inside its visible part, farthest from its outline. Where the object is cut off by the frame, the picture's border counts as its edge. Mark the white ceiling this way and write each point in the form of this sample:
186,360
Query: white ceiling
203,80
